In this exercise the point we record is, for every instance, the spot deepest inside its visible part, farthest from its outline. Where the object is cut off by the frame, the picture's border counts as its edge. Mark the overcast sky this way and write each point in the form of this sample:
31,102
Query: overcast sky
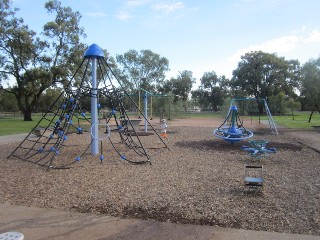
199,36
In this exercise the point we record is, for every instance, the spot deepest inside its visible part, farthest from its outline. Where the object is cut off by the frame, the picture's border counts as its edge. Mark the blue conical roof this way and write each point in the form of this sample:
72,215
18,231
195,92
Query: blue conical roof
94,51
234,108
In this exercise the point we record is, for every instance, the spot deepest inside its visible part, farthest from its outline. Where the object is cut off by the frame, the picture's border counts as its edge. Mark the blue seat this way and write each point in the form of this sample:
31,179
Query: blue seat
253,175
253,181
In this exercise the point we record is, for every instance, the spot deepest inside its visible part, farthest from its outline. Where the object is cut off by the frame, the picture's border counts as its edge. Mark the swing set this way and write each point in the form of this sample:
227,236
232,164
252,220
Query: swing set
145,96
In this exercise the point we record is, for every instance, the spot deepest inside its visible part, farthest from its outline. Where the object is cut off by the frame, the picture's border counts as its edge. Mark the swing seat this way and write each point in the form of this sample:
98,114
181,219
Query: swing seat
133,122
253,176
253,181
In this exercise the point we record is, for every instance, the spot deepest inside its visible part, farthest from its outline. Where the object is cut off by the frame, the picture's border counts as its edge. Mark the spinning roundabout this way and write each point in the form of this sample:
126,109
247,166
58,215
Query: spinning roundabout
232,129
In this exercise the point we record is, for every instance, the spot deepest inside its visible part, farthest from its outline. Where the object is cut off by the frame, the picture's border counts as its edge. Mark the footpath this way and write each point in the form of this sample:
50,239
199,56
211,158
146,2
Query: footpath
42,224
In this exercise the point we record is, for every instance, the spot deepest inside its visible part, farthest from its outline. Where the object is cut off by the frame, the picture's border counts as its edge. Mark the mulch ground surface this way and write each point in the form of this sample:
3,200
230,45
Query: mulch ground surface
200,181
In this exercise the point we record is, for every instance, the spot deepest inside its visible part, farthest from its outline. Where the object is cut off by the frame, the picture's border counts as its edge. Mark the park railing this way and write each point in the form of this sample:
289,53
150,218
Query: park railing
10,114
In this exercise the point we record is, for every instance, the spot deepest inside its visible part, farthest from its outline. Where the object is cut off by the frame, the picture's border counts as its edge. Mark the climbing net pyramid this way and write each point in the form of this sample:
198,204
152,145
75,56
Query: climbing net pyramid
64,133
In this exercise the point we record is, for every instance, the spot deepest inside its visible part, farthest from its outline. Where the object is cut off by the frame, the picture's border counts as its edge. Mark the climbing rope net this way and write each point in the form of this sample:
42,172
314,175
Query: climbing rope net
65,131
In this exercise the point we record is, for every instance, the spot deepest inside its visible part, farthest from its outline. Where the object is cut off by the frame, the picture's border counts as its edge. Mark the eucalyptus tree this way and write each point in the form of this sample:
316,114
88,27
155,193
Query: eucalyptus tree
144,68
310,86
8,102
181,86
261,75
212,91
37,62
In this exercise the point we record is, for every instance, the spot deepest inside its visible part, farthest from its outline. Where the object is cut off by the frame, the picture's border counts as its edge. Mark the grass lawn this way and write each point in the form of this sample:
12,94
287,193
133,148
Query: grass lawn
300,120
14,125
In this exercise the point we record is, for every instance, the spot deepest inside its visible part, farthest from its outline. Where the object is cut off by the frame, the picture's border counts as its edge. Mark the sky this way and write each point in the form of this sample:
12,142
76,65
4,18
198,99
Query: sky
199,36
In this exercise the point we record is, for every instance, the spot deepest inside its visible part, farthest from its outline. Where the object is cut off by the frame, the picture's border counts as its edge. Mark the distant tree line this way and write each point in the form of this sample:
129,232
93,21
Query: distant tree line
41,64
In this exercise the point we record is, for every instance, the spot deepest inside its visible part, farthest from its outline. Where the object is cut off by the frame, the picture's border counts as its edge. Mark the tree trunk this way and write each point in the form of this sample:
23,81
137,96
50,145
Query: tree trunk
24,107
27,115
260,106
215,107
310,115
185,105
315,106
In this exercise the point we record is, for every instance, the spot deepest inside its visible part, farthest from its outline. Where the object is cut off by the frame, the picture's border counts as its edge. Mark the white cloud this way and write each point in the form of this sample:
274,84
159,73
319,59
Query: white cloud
132,6
282,45
293,46
136,3
168,7
123,15
96,14
313,37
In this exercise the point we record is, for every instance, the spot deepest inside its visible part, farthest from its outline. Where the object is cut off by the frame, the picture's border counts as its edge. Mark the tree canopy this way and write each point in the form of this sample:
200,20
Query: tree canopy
262,75
310,85
181,86
34,63
144,67
211,92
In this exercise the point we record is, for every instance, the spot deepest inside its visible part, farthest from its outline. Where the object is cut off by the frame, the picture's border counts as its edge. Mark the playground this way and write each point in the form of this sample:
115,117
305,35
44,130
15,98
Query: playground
199,181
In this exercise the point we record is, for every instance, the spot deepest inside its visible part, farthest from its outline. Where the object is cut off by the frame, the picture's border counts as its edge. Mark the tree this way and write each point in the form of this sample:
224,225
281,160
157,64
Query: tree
8,103
310,86
277,103
293,105
211,92
144,67
47,98
262,75
281,104
181,86
37,64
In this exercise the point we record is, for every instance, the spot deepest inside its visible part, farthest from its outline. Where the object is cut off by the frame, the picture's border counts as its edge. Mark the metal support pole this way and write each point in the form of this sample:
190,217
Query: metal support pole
139,102
94,110
169,109
151,108
145,96
93,53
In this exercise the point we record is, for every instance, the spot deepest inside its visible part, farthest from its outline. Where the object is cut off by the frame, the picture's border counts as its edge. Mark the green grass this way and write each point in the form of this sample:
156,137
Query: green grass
14,125
300,120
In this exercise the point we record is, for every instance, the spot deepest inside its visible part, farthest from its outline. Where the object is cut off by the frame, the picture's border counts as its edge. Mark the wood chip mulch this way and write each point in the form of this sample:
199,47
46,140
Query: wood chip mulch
199,181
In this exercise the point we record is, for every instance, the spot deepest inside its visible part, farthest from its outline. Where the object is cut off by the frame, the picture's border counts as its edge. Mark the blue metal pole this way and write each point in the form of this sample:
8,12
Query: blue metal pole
94,110
94,52
233,128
